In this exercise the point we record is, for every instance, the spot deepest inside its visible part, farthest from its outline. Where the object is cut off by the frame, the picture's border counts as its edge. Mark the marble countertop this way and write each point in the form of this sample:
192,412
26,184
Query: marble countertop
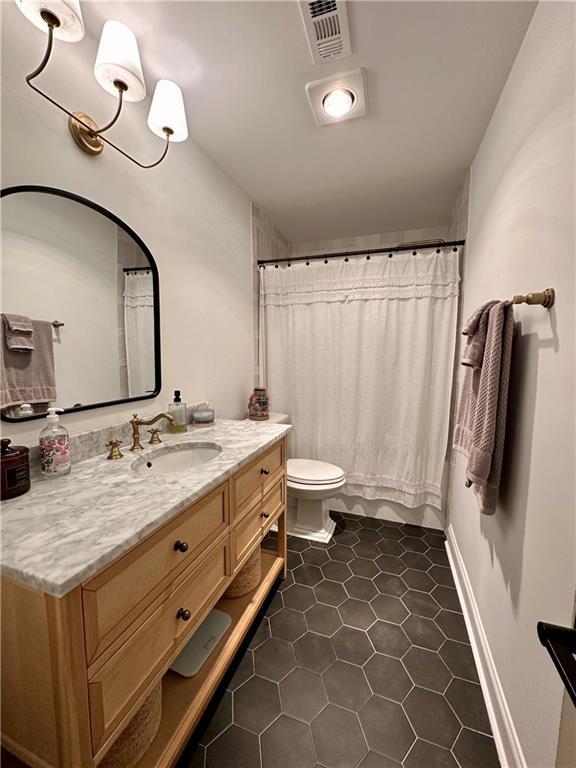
66,529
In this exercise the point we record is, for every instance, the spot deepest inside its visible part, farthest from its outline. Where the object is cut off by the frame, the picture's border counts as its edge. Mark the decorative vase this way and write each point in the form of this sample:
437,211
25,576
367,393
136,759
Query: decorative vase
259,405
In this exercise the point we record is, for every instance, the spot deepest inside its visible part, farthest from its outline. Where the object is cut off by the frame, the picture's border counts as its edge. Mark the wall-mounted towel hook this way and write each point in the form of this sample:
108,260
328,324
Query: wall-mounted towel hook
57,324
544,298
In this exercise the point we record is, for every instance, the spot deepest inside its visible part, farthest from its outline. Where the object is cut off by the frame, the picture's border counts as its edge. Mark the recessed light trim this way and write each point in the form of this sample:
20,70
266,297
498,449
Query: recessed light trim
338,102
338,98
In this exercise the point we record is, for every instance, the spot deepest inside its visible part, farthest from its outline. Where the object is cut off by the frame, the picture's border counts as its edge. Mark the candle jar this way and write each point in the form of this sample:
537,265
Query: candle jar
15,470
259,405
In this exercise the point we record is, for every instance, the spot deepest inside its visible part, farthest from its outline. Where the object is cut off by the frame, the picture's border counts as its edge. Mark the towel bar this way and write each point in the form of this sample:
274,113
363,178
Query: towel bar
544,298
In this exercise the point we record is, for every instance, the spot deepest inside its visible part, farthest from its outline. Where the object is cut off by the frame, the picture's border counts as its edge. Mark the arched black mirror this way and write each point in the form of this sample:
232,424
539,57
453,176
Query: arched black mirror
80,306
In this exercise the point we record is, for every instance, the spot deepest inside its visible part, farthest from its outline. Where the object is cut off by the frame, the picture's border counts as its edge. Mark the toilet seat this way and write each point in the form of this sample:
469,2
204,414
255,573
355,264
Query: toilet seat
313,474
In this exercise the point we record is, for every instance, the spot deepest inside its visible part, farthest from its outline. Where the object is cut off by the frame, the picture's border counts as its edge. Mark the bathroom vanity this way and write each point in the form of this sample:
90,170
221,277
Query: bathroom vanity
107,573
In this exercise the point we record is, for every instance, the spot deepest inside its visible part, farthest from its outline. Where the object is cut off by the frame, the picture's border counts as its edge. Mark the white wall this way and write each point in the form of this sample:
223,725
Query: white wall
59,262
193,218
267,243
521,562
380,240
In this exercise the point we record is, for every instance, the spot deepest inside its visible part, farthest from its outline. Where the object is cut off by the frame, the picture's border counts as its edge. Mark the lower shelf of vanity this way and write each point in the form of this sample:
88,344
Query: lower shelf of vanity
184,699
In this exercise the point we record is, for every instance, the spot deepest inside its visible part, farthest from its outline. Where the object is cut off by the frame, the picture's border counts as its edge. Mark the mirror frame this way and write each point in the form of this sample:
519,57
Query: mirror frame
155,286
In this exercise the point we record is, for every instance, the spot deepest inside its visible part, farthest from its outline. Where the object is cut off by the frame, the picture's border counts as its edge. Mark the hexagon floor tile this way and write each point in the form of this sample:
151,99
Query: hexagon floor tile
386,727
285,744
256,704
302,695
346,685
387,677
338,738
363,661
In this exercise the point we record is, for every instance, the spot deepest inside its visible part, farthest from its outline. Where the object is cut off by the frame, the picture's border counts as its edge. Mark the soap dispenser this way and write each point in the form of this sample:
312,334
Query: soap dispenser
177,410
54,446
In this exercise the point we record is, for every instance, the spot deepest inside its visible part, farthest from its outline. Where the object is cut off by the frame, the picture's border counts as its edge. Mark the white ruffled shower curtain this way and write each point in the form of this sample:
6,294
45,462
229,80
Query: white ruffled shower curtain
139,332
361,355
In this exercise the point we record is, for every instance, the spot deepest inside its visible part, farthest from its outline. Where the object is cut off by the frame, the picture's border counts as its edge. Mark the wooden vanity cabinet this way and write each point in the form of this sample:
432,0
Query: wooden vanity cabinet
75,669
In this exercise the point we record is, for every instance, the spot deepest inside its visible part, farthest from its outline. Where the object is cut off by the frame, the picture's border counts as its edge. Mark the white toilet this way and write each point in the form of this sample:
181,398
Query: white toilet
310,483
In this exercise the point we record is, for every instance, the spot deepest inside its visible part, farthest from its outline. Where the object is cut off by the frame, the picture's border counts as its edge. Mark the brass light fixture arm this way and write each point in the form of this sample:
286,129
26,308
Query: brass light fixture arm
121,88
52,22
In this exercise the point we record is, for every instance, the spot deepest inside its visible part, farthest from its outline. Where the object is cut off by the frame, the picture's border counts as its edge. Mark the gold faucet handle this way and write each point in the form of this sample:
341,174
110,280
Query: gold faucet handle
115,452
155,437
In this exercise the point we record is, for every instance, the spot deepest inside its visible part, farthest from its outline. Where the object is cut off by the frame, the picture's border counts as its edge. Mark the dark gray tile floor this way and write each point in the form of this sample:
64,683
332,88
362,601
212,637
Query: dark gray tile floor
361,661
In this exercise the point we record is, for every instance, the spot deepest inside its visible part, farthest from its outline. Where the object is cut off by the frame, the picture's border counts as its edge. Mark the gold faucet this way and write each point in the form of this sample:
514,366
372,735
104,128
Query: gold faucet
137,422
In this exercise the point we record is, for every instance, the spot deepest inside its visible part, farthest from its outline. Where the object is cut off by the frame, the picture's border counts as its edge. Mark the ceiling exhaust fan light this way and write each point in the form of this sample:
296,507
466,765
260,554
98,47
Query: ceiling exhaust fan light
167,111
118,59
338,102
68,13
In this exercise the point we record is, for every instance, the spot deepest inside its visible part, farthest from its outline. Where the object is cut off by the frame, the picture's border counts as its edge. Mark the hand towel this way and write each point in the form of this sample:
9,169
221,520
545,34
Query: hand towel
18,332
29,377
476,329
481,420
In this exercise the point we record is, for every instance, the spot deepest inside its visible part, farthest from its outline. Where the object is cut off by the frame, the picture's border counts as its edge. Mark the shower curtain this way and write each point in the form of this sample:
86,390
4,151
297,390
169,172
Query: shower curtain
139,330
361,355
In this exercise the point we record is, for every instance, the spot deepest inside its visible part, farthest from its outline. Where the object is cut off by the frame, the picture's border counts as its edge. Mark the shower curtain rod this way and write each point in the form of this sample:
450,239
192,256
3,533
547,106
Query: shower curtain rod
365,252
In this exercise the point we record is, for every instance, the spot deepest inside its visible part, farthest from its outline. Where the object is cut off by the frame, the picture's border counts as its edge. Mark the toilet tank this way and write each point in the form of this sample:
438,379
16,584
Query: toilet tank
279,418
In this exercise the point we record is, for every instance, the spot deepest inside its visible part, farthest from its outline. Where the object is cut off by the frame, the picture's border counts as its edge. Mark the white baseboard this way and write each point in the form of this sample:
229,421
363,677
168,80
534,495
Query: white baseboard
505,736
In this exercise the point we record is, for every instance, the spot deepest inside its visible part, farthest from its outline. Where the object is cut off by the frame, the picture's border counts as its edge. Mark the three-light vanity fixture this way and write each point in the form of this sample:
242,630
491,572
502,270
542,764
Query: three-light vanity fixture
117,69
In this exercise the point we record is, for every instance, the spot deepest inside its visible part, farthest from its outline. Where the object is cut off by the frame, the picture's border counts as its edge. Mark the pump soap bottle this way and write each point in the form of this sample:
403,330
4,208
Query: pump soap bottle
54,446
177,410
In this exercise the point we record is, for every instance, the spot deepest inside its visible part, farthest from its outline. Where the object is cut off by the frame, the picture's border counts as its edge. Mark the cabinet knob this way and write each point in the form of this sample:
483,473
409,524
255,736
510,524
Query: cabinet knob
180,546
265,515
264,471
184,614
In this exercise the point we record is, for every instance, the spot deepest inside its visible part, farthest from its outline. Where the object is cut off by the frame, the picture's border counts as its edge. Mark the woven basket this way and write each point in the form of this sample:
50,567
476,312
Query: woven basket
140,732
248,578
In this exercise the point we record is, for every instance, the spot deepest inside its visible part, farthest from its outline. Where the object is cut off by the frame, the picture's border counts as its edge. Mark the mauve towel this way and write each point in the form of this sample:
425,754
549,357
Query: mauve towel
18,332
29,377
476,329
481,420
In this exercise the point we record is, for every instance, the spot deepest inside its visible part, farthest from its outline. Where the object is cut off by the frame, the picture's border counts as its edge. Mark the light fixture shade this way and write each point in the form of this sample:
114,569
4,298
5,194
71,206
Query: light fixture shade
67,12
167,111
118,59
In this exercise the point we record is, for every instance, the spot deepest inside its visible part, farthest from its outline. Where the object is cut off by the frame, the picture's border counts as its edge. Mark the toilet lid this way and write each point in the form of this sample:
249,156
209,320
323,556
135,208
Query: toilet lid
310,472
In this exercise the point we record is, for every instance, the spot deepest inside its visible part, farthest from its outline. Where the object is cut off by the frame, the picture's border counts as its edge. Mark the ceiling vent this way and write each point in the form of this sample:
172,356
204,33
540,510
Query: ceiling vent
326,23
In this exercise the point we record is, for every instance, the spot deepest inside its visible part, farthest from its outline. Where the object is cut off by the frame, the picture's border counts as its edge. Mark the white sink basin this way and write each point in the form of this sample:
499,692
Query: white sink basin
176,458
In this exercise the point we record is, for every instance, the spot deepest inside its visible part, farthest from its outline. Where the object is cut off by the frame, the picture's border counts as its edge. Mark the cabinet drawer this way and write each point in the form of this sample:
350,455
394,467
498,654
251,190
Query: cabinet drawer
273,503
116,687
253,476
114,598
246,534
